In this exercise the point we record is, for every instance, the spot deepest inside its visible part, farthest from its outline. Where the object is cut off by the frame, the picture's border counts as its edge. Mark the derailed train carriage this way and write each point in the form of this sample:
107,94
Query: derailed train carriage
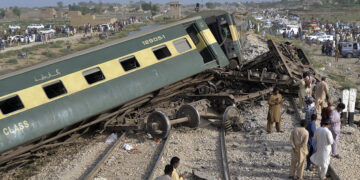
48,101
222,25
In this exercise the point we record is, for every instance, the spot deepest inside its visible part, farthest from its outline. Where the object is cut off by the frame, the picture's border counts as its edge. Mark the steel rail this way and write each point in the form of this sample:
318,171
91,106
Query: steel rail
104,158
331,170
152,172
224,158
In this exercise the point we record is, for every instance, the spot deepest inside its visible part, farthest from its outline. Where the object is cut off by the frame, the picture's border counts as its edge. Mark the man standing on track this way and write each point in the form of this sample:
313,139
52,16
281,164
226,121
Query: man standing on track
311,128
175,162
299,139
309,109
302,92
274,114
335,127
325,112
321,91
168,172
324,140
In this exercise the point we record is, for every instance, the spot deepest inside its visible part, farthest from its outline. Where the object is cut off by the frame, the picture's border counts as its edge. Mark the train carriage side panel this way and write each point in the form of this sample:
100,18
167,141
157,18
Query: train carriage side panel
82,100
63,112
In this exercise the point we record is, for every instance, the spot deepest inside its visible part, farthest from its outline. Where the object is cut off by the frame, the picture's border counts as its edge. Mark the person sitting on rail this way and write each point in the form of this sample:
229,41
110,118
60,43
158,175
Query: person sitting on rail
168,172
175,162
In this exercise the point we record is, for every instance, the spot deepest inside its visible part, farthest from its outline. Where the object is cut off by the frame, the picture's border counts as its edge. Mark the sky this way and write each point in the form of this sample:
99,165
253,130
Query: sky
40,3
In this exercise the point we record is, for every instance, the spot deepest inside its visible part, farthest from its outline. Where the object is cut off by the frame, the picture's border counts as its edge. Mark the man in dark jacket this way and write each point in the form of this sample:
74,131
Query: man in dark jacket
311,128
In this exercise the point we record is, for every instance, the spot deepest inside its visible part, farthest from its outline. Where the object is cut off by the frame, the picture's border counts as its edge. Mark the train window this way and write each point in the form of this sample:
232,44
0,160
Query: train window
93,75
129,63
182,45
11,104
54,89
161,52
194,38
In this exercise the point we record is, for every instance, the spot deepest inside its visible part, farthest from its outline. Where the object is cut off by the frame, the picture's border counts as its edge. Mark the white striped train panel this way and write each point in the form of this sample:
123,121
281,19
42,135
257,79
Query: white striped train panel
345,99
352,101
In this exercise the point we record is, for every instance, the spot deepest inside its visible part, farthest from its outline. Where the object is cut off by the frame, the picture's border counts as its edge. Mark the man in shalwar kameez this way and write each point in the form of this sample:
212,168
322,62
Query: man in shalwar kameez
321,91
321,157
335,121
299,139
274,114
302,92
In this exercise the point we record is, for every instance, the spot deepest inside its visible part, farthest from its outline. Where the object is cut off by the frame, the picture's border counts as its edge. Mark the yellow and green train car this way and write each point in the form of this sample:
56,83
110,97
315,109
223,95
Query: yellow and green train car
50,96
225,31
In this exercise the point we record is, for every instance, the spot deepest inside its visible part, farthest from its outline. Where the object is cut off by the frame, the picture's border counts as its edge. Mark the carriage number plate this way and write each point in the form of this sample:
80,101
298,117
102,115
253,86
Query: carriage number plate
154,39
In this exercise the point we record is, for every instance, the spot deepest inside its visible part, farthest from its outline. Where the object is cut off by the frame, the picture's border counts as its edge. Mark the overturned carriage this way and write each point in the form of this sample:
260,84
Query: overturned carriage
51,100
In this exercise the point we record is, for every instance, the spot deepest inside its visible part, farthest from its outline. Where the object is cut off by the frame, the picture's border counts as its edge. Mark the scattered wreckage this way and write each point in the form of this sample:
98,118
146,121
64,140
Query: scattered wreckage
214,91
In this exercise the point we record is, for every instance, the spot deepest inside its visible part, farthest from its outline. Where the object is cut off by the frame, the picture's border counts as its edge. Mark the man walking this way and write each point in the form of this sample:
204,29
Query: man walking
168,172
335,127
311,128
298,139
274,114
321,157
321,91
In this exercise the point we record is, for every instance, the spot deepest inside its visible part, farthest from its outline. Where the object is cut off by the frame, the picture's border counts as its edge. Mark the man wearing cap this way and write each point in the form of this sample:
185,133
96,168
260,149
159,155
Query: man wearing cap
321,157
335,121
309,109
321,91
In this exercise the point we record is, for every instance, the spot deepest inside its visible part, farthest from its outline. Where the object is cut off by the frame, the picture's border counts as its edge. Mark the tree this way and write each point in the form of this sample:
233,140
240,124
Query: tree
146,6
235,4
60,4
155,9
16,11
2,13
210,5
111,8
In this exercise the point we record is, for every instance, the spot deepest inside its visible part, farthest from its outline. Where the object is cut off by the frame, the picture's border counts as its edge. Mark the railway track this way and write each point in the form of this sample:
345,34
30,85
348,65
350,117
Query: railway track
108,152
225,172
331,172
152,172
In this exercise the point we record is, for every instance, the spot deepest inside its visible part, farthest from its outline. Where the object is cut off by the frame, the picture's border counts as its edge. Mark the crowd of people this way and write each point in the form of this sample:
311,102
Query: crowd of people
18,37
311,146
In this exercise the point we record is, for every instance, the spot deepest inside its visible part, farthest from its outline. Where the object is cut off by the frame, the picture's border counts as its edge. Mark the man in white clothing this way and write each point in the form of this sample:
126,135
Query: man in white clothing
324,140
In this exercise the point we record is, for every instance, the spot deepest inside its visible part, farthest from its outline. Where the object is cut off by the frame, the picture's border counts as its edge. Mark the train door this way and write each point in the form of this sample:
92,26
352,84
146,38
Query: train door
201,43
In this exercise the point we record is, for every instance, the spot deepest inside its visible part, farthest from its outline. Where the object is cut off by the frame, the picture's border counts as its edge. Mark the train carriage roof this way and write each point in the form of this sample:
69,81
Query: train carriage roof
96,48
208,13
